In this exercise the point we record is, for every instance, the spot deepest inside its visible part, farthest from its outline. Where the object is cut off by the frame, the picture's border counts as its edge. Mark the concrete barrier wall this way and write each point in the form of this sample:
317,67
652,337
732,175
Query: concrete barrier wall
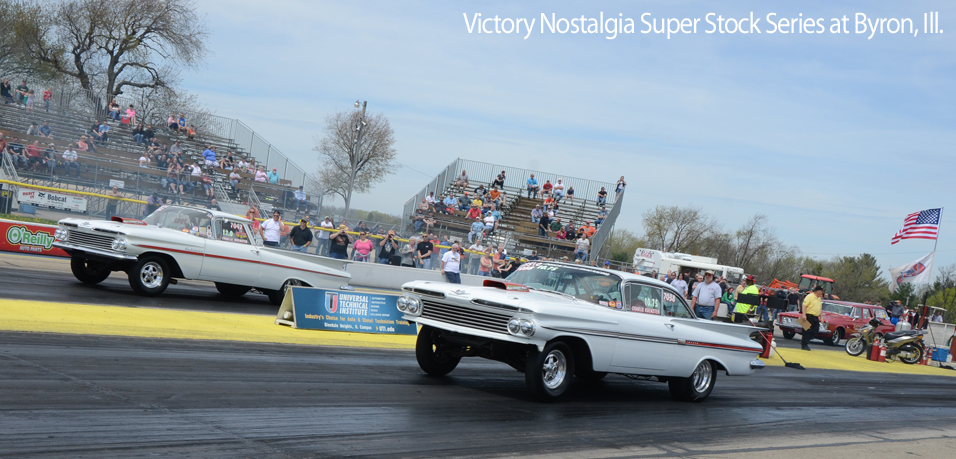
374,275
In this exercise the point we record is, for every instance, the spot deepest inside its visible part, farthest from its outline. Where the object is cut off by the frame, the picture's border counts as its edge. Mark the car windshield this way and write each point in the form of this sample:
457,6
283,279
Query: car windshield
837,308
880,313
187,220
583,283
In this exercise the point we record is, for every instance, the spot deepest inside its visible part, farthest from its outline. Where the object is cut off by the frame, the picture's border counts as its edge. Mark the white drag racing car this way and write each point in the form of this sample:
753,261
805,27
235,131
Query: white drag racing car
190,243
556,321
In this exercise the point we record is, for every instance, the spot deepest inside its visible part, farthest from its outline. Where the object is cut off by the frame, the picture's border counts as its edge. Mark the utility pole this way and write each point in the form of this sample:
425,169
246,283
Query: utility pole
356,145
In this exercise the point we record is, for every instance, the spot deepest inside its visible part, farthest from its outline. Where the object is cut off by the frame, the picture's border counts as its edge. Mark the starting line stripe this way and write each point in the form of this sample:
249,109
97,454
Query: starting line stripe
838,359
83,319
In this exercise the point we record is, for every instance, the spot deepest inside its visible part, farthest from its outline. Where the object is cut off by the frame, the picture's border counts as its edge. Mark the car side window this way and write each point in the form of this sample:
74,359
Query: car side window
233,231
674,306
866,314
855,313
642,298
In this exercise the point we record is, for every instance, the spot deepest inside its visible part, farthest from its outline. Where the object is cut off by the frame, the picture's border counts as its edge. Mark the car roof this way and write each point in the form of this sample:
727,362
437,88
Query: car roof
216,213
626,276
856,305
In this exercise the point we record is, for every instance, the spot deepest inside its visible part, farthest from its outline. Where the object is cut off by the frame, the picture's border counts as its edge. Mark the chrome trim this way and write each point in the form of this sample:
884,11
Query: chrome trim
464,316
757,364
421,291
494,304
102,253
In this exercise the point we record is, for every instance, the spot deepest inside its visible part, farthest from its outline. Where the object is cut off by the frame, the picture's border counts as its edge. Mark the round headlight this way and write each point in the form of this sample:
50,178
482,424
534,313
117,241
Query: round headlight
514,327
414,306
402,303
119,244
527,327
60,234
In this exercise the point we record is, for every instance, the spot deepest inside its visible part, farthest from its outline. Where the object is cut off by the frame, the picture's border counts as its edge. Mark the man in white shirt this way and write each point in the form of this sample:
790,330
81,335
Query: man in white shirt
299,198
322,246
271,230
706,297
234,178
69,160
536,214
581,250
558,191
680,284
451,264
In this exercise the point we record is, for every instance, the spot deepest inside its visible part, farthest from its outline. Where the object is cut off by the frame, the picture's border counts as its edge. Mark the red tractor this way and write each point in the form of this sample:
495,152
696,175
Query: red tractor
807,282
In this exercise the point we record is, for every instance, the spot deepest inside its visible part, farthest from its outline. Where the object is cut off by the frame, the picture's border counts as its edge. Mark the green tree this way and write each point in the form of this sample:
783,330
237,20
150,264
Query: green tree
621,246
857,278
906,294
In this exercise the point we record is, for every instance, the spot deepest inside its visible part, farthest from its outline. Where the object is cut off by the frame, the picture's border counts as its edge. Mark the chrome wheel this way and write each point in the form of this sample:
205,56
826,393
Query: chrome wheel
555,369
151,275
855,346
701,377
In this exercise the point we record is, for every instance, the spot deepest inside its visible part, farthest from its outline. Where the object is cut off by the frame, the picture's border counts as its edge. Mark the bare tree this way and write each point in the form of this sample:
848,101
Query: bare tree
115,44
621,245
341,160
676,229
755,240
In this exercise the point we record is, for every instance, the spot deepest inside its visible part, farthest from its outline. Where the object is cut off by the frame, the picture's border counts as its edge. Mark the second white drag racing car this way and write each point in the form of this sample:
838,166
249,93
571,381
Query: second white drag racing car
557,321
190,243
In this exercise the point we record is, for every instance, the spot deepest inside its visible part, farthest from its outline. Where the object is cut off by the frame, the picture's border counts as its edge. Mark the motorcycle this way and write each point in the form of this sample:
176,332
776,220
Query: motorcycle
907,345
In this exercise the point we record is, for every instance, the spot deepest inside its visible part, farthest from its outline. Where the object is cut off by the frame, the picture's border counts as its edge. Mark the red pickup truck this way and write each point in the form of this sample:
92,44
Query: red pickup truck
838,320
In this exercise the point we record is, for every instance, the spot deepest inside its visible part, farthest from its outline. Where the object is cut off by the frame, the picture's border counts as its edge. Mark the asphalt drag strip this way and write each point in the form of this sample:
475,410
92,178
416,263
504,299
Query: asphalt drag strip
84,396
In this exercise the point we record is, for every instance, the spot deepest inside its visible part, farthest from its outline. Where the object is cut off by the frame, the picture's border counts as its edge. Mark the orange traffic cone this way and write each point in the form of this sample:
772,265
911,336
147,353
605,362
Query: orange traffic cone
925,360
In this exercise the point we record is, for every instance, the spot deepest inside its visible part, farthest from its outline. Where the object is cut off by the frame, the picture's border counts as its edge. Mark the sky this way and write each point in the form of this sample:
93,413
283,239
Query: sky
836,137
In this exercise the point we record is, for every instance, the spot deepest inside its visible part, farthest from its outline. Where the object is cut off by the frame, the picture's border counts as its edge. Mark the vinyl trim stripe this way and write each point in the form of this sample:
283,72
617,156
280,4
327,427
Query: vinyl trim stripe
236,259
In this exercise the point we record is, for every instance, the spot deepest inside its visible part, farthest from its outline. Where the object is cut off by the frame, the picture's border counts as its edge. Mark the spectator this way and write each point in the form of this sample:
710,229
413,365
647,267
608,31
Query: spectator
69,160
409,252
17,154
253,215
532,185
228,162
418,221
498,260
430,200
83,145
556,225
480,191
423,254
548,203
621,184
171,123
301,236
33,130
234,178
176,149
546,188
322,245
536,213
561,234
570,195
214,205
131,115
46,131
49,159
581,249
182,124
429,221
450,204
489,221
271,230
171,178
485,263
937,317
363,248
588,229
191,132
499,181
30,101
477,231
299,198
451,264
6,91
153,202
104,132
602,215
602,197
474,213
21,93
207,183
273,176
464,203
544,225
261,174
558,191
148,134
47,98
494,195
388,248
144,160
462,181
3,144
209,156
114,109
339,243
111,203
34,155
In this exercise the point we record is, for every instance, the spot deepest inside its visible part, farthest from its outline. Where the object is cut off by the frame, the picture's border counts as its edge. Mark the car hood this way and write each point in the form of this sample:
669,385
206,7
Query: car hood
520,297
98,225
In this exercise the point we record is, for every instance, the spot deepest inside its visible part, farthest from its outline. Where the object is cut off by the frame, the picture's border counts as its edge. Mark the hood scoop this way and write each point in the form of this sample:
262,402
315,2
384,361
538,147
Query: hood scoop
509,286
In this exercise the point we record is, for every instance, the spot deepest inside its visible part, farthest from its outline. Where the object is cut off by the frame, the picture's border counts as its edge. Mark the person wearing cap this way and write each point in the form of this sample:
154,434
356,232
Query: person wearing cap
423,254
301,236
706,297
743,308
339,243
477,231
536,213
532,185
451,264
300,199
588,229
388,248
812,305
271,230
322,236
464,203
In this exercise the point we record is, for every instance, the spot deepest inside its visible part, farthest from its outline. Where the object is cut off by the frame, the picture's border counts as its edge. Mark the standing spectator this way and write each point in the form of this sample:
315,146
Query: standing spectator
451,264
436,258
209,156
47,98
363,248
558,191
532,186
462,181
31,101
581,249
409,252
387,248
680,284
544,225
153,202
602,197
322,246
339,243
498,261
6,91
424,253
46,131
299,198
485,264
114,110
301,236
131,115
207,183
499,180
214,205
477,230
261,175
536,213
271,230
69,160
793,299
273,176
621,184
811,313
111,203
706,297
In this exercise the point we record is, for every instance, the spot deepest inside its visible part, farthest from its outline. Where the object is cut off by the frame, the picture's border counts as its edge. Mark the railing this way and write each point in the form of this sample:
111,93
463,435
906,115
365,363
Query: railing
597,242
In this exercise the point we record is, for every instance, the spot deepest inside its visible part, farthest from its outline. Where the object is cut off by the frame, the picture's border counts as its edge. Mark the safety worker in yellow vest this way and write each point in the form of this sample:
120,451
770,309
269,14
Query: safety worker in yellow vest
740,312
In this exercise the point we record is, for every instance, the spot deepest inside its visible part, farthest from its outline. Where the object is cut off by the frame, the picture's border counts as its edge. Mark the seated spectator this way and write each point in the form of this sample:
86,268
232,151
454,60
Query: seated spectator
474,213
588,229
418,221
209,156
261,175
207,182
430,221
558,191
480,191
462,182
546,188
241,164
494,194
423,206
138,134
548,203
477,231
181,124
46,131
104,132
430,199
34,155
15,148
556,225
299,198
114,109
6,91
499,181
131,115
176,149
570,195
464,203
234,180
274,176
489,221
84,145
581,249
191,132
228,162
49,160
172,177
149,134
602,197
33,130
602,215
451,204
162,160
171,123
145,160
561,234
21,93
532,185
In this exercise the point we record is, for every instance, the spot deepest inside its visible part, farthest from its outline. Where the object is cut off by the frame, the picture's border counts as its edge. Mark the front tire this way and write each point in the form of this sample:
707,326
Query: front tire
855,346
788,334
697,387
428,349
231,290
548,373
88,272
150,276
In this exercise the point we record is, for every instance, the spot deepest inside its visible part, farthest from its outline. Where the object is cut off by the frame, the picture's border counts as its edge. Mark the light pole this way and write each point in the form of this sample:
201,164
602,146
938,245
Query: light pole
356,144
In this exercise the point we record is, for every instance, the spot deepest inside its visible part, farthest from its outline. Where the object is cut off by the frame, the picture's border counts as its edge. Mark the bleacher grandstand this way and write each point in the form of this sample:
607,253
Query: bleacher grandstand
516,230
71,117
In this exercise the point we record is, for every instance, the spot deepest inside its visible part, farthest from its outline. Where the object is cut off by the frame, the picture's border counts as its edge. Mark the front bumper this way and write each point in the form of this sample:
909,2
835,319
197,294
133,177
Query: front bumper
70,248
539,343
824,332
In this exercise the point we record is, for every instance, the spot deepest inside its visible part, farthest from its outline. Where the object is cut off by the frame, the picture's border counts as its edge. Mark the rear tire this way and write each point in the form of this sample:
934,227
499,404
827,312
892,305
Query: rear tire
917,354
427,353
231,290
834,339
789,334
150,276
88,272
276,296
548,373
697,387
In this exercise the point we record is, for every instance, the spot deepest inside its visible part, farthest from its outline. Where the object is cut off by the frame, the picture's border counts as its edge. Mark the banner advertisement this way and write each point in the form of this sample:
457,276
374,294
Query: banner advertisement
42,198
917,272
28,238
338,310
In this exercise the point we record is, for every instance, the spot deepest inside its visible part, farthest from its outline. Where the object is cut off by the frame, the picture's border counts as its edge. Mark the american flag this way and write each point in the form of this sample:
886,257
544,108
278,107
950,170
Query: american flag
919,225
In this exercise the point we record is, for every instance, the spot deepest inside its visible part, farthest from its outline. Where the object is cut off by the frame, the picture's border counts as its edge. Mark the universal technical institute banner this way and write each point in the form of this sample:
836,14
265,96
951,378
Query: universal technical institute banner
337,310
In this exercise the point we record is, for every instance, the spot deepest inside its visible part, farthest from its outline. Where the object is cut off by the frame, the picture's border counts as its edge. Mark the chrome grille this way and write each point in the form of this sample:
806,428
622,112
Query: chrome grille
465,316
93,241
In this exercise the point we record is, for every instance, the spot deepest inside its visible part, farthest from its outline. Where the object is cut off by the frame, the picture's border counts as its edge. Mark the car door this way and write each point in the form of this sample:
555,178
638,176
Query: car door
646,336
231,257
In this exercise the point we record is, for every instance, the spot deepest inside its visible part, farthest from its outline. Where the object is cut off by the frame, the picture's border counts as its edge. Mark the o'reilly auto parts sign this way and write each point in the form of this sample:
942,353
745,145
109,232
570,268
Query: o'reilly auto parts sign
43,198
